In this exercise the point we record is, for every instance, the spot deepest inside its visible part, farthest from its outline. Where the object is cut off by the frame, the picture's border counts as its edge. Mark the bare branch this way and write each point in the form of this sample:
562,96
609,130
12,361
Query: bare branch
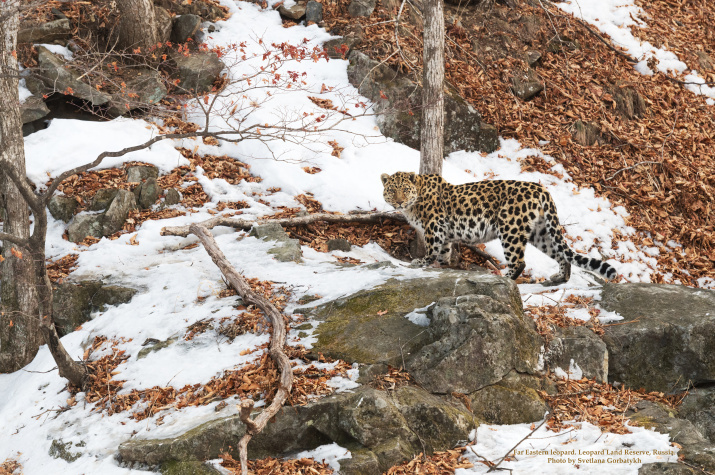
275,350
14,239
367,217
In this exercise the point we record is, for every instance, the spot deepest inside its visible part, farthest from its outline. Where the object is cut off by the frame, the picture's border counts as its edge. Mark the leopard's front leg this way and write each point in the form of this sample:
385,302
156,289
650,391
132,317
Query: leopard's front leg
437,247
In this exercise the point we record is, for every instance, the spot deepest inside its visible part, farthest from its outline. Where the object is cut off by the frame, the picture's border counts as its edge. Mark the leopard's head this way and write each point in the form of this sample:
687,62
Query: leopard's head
400,189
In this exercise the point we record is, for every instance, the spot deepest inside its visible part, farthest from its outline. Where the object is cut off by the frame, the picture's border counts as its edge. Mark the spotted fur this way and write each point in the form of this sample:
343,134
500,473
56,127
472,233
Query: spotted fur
516,212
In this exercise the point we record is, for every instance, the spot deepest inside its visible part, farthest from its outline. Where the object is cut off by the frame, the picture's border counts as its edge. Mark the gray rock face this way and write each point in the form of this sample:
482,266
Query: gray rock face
147,193
699,408
74,302
296,12
474,331
364,8
526,84
103,198
464,128
145,89
353,37
84,225
582,346
196,72
513,400
46,32
117,212
286,250
62,207
139,173
697,450
669,339
185,27
33,109
339,245
172,197
533,57
57,76
380,429
314,12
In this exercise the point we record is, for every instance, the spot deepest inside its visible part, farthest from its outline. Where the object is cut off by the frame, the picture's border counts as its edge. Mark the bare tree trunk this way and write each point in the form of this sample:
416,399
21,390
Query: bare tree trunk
137,24
432,134
19,326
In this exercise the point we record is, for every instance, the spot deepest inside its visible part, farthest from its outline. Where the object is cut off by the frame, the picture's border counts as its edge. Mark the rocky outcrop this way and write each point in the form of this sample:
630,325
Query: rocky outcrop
579,346
526,84
399,114
103,224
62,207
59,77
145,89
73,303
286,250
667,337
48,32
196,72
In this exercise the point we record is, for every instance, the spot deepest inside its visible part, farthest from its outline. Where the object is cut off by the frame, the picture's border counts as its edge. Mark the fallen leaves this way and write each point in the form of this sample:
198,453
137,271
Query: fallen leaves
270,466
440,463
58,270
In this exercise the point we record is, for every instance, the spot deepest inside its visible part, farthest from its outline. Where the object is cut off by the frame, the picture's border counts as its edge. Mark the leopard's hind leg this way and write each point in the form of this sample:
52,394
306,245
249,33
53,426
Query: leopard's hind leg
547,237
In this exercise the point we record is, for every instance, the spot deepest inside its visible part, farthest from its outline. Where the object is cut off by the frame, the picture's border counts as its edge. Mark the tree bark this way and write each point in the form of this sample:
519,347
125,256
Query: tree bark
137,25
19,326
432,133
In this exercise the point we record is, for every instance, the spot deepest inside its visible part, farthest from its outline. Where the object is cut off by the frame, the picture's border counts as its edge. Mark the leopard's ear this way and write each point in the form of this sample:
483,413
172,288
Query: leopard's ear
411,176
384,177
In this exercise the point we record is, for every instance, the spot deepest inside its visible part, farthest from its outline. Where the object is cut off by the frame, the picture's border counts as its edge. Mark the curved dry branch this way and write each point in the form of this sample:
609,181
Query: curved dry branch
366,217
275,350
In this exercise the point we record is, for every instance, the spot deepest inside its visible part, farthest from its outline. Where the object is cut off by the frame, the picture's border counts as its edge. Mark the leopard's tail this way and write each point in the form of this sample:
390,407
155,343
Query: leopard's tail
589,263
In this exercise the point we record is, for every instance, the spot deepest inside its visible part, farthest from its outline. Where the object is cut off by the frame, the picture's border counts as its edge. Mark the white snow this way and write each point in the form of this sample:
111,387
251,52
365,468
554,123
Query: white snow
171,279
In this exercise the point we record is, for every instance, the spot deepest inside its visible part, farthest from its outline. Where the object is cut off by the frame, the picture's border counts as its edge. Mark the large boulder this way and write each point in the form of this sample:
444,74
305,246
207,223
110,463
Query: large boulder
699,408
62,207
73,303
83,225
60,78
580,346
145,89
197,71
118,211
48,32
666,339
400,116
380,428
286,249
33,109
477,341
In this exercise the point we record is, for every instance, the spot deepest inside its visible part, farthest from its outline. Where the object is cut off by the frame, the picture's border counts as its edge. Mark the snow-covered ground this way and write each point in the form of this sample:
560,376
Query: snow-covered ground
170,278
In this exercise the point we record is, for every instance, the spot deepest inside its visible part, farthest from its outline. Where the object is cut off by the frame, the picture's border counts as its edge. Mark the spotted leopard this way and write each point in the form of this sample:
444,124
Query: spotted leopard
516,212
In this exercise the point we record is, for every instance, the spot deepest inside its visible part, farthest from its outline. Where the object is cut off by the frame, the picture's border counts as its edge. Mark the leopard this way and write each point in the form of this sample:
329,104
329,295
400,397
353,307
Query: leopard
515,212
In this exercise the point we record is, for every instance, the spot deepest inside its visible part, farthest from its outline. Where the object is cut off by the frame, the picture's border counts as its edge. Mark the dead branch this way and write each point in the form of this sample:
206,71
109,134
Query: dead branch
496,467
366,217
275,350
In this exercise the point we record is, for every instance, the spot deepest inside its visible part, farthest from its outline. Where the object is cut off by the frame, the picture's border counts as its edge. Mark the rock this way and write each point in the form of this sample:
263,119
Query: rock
349,325
380,429
295,12
583,347
269,232
139,173
103,198
669,337
696,449
704,60
58,77
197,72
145,89
339,244
358,8
36,86
314,12
147,193
558,43
532,57
185,27
155,346
117,213
699,408
62,450
513,400
354,36
172,197
188,468
474,331
464,128
46,32
526,84
164,23
62,207
664,468
288,251
207,11
73,303
33,109
629,102
585,133
84,225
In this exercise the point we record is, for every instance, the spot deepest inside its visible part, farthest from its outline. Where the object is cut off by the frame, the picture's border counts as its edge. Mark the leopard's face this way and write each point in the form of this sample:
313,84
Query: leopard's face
400,189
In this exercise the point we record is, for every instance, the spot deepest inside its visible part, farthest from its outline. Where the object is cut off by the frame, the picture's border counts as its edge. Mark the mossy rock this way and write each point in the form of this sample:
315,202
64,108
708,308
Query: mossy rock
187,468
513,400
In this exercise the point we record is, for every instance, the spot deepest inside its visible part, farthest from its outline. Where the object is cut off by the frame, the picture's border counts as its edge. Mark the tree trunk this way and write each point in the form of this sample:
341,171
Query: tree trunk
19,326
137,25
432,134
